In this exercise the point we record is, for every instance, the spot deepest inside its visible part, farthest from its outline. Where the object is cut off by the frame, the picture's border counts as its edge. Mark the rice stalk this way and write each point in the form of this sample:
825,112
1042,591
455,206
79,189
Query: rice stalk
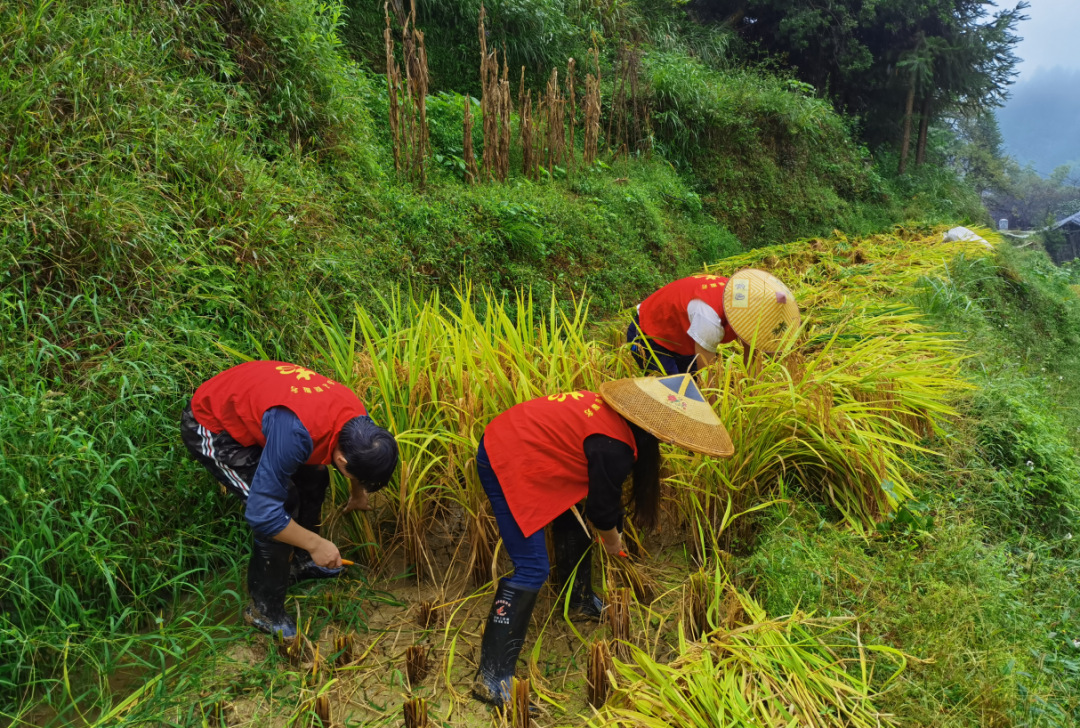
641,585
315,712
345,647
834,415
213,714
321,710
429,615
617,615
415,713
598,684
766,672
416,664
519,707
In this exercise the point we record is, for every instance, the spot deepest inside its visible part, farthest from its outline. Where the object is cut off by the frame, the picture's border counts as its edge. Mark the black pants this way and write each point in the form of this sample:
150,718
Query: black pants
659,359
234,466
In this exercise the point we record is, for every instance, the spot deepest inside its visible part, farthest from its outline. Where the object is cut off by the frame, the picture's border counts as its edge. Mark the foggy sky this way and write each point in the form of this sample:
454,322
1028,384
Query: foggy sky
1041,121
1050,36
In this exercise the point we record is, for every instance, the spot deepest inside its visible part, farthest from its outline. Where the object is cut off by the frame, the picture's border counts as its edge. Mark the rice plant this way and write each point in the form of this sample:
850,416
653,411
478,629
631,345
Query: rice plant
797,670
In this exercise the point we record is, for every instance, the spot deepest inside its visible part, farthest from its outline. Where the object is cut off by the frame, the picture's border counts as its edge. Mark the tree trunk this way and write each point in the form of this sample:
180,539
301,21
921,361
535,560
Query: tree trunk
924,125
907,127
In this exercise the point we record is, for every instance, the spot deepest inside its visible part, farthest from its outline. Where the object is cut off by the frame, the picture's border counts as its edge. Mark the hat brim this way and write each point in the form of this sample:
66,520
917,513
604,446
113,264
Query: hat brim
696,432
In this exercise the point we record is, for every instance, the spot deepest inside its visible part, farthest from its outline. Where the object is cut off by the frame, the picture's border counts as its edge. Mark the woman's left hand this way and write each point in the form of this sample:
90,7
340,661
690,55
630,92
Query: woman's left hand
358,501
612,541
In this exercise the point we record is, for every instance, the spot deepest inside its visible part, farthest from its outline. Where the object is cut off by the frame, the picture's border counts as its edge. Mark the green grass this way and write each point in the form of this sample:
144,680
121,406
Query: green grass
982,588
183,174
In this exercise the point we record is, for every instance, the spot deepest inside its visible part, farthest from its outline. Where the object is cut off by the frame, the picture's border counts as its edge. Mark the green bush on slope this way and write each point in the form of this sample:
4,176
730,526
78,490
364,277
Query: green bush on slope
176,177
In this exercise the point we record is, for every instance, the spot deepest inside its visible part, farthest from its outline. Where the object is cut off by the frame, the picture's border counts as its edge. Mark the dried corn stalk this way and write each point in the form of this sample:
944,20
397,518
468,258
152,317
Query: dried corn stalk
408,99
592,119
472,175
626,131
393,83
506,107
573,113
527,157
496,107
555,122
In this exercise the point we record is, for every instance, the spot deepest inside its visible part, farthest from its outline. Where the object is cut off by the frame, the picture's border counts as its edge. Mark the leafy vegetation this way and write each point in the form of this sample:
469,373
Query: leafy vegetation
886,62
975,582
186,180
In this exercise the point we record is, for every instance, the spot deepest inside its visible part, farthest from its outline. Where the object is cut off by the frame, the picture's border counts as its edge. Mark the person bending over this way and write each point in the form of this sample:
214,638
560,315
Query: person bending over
679,327
537,460
267,430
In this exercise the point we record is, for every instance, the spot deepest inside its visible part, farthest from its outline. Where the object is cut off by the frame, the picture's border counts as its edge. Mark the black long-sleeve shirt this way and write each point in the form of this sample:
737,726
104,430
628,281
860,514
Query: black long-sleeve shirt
610,462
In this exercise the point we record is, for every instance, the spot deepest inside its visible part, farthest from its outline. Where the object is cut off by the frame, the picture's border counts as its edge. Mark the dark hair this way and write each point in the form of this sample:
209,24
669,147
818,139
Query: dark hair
371,453
646,472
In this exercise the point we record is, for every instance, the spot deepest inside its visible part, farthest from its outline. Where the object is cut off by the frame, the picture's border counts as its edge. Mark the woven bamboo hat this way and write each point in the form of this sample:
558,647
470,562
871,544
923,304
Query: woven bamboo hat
760,308
671,408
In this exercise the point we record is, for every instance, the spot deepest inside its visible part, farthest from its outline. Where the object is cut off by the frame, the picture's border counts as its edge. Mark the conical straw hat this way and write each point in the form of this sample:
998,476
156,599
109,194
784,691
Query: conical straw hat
671,408
760,308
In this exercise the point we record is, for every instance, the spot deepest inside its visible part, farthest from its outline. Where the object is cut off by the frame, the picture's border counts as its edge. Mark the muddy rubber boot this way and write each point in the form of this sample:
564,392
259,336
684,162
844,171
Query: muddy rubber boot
504,636
572,552
311,484
268,580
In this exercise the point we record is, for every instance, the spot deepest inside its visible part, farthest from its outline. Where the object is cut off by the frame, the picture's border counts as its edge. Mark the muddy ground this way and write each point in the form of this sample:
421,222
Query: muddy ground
358,629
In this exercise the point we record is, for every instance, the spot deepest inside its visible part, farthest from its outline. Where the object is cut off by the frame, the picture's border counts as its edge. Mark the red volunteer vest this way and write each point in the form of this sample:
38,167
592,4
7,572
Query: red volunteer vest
236,400
536,449
664,318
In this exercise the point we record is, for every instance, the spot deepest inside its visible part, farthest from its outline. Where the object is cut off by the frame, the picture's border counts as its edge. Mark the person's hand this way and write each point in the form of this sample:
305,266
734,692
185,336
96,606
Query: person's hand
612,542
326,555
358,501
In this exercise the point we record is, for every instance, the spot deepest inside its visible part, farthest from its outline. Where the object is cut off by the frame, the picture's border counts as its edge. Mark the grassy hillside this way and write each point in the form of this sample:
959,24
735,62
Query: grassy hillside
958,600
184,176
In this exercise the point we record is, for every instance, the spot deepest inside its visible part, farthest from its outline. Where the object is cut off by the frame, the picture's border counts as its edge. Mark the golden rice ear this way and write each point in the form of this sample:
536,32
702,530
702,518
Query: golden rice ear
760,309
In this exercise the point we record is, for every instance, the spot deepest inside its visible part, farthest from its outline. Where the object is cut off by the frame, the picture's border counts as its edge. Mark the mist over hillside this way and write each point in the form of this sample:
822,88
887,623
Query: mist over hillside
1041,122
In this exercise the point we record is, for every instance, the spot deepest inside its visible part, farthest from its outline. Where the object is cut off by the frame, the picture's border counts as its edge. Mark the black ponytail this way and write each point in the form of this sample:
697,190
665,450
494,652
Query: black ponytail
646,473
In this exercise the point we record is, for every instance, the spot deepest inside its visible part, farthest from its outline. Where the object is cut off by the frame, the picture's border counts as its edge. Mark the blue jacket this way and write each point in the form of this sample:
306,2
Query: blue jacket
288,446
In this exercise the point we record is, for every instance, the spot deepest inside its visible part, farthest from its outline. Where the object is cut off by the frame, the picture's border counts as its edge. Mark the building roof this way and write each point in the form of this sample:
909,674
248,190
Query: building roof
1074,219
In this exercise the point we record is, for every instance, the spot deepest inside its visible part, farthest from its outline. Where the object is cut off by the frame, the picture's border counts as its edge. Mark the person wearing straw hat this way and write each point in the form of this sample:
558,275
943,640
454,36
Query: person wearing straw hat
539,459
679,327
267,430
